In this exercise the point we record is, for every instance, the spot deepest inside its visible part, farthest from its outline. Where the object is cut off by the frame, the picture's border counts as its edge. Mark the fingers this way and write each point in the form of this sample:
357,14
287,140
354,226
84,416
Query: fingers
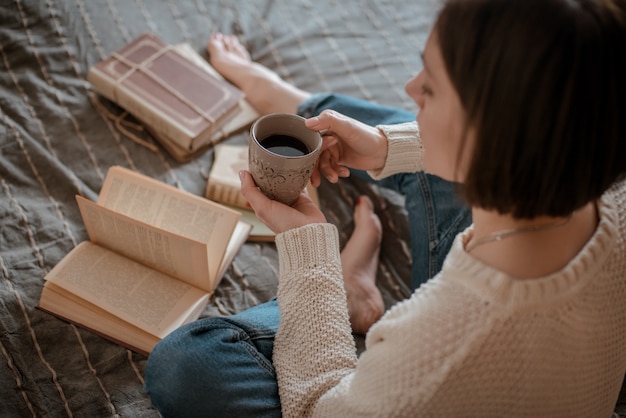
325,167
278,216
316,179
329,166
253,195
328,120
329,162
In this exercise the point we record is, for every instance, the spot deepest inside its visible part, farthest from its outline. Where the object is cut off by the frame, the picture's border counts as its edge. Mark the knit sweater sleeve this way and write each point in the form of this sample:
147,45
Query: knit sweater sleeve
405,151
314,348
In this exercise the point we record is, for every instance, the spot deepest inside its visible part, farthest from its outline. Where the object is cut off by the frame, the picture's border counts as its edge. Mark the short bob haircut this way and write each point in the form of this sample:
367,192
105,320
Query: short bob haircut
543,86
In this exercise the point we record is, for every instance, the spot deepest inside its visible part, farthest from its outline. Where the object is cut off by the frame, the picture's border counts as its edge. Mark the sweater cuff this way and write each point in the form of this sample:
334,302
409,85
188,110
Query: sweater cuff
405,151
307,247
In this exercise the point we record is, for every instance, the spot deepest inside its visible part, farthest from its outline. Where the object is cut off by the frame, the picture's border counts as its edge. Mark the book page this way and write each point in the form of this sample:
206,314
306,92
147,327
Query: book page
134,293
164,206
65,305
169,253
242,231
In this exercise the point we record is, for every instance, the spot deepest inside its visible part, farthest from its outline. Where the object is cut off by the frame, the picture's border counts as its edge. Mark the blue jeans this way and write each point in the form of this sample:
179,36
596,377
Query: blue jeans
217,367
223,366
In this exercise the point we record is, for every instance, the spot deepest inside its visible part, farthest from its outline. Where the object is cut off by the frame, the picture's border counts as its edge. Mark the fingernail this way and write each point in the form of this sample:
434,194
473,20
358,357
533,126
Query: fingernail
312,121
241,175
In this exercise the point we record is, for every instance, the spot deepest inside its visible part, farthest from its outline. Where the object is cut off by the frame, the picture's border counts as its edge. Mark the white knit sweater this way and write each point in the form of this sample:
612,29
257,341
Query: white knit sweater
471,342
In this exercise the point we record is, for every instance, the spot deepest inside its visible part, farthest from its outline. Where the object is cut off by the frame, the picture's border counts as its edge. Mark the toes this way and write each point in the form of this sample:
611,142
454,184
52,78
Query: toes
365,218
364,206
230,42
226,44
234,45
216,41
364,200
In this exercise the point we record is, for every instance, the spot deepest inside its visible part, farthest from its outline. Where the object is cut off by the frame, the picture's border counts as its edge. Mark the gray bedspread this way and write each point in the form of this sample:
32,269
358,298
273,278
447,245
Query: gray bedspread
56,141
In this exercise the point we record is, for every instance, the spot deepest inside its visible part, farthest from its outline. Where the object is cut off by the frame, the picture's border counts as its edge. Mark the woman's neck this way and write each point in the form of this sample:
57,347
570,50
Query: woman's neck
530,248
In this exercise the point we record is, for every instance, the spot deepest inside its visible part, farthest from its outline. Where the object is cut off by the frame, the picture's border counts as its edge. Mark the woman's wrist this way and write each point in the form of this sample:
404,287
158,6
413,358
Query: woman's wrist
382,149
307,247
404,150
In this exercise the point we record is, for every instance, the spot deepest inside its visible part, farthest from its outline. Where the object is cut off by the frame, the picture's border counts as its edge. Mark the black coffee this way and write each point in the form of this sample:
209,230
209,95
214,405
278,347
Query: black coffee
284,145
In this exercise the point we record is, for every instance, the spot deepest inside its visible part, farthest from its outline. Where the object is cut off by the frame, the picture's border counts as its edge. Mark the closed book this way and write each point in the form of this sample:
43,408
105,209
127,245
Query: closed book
165,90
241,119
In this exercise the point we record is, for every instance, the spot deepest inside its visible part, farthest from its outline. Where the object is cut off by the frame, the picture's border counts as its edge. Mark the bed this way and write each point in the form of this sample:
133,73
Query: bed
56,141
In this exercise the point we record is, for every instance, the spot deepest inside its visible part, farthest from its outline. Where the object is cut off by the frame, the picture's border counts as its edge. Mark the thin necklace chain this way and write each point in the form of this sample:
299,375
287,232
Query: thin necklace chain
505,233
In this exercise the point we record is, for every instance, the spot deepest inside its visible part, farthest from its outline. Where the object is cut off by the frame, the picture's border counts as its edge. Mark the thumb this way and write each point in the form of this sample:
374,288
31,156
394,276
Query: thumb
329,120
250,191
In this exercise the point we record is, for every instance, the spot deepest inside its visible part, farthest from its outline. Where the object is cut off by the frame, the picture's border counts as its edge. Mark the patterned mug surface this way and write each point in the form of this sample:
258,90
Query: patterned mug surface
282,155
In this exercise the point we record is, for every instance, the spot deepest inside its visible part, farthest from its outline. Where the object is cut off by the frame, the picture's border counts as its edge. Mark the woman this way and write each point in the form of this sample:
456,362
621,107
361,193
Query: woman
521,101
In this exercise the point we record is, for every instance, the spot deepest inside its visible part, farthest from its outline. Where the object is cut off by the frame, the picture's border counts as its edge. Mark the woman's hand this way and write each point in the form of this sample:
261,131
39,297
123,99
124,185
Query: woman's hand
346,143
278,216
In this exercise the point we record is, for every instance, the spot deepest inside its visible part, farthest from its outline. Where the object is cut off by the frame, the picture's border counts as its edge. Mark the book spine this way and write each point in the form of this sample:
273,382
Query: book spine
228,195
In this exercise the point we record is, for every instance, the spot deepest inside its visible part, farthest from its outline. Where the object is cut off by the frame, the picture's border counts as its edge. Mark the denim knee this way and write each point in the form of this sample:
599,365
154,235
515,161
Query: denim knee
211,367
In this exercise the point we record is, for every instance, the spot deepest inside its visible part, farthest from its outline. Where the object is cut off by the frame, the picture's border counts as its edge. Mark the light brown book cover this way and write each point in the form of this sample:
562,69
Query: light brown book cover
167,91
154,256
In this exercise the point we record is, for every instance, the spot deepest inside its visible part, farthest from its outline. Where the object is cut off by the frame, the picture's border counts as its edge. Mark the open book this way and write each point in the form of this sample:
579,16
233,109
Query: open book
154,256
224,187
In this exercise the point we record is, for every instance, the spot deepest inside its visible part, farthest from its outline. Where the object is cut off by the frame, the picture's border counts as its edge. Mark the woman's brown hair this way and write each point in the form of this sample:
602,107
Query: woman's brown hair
543,83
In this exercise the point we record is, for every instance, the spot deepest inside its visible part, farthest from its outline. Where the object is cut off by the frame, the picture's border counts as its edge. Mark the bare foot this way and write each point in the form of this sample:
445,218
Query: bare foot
360,262
264,89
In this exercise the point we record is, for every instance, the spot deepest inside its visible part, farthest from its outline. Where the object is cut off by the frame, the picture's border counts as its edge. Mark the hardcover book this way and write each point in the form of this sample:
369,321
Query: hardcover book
154,256
242,117
167,91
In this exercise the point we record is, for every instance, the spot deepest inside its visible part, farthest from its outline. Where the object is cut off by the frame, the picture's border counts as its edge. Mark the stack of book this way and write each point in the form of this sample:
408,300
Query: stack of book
178,97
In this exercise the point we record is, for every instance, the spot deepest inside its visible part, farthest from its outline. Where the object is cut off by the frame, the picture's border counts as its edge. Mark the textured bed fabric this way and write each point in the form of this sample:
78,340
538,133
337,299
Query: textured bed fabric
56,141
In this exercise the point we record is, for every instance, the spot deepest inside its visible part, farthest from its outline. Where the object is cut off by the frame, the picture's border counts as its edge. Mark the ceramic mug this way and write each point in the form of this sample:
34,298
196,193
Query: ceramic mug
282,154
